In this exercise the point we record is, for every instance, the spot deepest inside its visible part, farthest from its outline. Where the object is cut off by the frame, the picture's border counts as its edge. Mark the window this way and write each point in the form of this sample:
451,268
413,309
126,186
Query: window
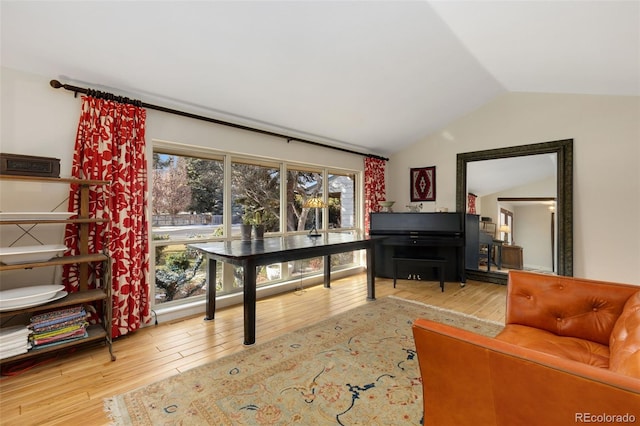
199,195
506,218
342,212
187,197
342,201
255,191
303,185
187,206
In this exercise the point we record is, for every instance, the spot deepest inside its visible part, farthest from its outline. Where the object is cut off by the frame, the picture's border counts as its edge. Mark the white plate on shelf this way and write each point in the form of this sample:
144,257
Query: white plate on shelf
8,216
56,296
27,254
29,294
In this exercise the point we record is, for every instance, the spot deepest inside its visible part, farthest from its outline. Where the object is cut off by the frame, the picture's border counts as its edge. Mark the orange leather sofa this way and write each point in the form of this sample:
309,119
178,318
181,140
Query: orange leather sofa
569,354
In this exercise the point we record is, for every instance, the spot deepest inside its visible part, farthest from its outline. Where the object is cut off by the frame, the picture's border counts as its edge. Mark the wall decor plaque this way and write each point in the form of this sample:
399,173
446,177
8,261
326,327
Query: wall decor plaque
423,184
29,165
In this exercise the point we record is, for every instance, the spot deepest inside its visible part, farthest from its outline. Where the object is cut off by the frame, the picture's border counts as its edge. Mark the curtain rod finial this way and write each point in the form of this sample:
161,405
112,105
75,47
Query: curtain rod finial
55,84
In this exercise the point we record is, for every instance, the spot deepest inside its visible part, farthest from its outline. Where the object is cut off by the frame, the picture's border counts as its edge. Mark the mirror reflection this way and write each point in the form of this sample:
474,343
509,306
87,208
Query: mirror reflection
515,200
519,204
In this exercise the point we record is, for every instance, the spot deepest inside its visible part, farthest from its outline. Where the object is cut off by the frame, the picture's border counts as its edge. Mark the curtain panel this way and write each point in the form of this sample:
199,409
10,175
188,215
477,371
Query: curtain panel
374,188
110,145
471,203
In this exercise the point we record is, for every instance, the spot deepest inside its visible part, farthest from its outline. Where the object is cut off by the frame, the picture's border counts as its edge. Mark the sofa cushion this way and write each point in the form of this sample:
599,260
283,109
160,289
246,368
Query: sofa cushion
573,348
625,340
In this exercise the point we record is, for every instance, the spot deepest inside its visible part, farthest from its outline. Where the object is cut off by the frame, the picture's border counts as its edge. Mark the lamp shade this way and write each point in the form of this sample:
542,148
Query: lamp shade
314,202
505,228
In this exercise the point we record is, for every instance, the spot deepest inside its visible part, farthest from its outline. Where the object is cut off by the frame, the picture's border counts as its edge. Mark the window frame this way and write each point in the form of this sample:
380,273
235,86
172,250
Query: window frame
227,273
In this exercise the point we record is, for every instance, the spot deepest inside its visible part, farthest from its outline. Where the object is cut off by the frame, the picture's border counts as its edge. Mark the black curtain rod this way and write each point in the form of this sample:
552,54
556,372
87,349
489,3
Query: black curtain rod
57,85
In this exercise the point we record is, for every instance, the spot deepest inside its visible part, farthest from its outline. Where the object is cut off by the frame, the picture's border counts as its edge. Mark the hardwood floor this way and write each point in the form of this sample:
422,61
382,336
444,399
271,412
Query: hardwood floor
70,390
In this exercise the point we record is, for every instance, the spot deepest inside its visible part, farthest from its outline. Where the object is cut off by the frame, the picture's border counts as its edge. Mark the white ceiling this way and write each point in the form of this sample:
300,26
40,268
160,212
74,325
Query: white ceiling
365,75
492,176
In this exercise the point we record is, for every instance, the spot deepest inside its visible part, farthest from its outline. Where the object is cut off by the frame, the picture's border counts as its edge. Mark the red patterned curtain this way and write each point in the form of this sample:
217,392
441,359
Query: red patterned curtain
110,145
471,203
374,187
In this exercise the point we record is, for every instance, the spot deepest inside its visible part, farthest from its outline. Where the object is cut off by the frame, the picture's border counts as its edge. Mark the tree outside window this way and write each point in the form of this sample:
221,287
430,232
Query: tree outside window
302,185
187,200
256,195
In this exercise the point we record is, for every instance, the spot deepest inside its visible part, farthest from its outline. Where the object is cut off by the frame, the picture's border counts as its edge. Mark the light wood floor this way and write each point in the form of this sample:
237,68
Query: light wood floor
70,390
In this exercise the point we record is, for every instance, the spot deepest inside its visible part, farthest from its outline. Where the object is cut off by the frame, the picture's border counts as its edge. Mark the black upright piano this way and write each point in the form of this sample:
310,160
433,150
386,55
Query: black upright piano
415,235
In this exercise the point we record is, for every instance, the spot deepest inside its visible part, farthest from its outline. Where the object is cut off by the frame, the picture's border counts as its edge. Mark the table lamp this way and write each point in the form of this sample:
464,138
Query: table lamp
506,229
314,203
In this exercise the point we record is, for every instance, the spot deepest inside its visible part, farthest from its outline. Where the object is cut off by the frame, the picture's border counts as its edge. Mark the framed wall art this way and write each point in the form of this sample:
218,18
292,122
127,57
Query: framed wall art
423,184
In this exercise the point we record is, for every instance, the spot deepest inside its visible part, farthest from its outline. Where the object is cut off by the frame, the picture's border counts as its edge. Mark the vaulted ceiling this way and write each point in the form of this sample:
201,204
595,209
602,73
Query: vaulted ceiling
373,76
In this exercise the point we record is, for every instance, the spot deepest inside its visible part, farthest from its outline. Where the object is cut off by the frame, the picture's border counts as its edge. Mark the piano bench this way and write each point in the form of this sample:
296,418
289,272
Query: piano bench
436,262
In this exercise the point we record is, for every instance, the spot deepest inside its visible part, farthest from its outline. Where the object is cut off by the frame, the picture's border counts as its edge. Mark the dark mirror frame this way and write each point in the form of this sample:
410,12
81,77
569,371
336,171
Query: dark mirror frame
564,208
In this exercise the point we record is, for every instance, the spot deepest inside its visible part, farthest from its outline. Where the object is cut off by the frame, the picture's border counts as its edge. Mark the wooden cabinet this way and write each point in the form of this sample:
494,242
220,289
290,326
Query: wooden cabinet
85,296
512,257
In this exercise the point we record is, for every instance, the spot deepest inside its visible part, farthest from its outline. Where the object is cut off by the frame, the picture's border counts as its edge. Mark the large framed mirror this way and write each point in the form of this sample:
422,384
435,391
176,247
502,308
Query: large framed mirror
561,154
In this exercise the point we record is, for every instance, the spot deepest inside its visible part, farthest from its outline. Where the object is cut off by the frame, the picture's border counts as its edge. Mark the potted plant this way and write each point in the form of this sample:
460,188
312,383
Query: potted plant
245,226
258,226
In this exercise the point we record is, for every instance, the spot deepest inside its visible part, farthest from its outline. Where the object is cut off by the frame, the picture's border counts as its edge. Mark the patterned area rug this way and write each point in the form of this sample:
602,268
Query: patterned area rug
355,368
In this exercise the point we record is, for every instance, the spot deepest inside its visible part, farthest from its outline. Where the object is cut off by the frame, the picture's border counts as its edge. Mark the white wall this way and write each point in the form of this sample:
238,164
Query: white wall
533,233
606,134
36,119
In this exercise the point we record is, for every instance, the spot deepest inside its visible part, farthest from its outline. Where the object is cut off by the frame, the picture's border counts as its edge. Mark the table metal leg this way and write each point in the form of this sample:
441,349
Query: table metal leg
327,271
211,289
249,287
371,273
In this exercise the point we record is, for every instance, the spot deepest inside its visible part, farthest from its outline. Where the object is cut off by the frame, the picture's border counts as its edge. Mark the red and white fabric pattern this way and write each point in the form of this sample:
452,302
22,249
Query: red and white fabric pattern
374,188
471,203
110,145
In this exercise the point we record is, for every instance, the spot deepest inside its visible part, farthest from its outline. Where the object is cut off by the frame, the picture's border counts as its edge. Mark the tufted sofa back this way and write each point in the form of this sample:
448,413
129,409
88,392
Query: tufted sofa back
566,306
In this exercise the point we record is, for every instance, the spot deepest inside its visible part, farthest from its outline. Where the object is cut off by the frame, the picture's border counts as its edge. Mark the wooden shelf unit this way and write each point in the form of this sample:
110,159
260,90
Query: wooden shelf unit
84,296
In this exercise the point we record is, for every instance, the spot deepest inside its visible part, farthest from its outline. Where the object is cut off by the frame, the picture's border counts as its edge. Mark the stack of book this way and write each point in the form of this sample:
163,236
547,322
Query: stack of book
59,326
